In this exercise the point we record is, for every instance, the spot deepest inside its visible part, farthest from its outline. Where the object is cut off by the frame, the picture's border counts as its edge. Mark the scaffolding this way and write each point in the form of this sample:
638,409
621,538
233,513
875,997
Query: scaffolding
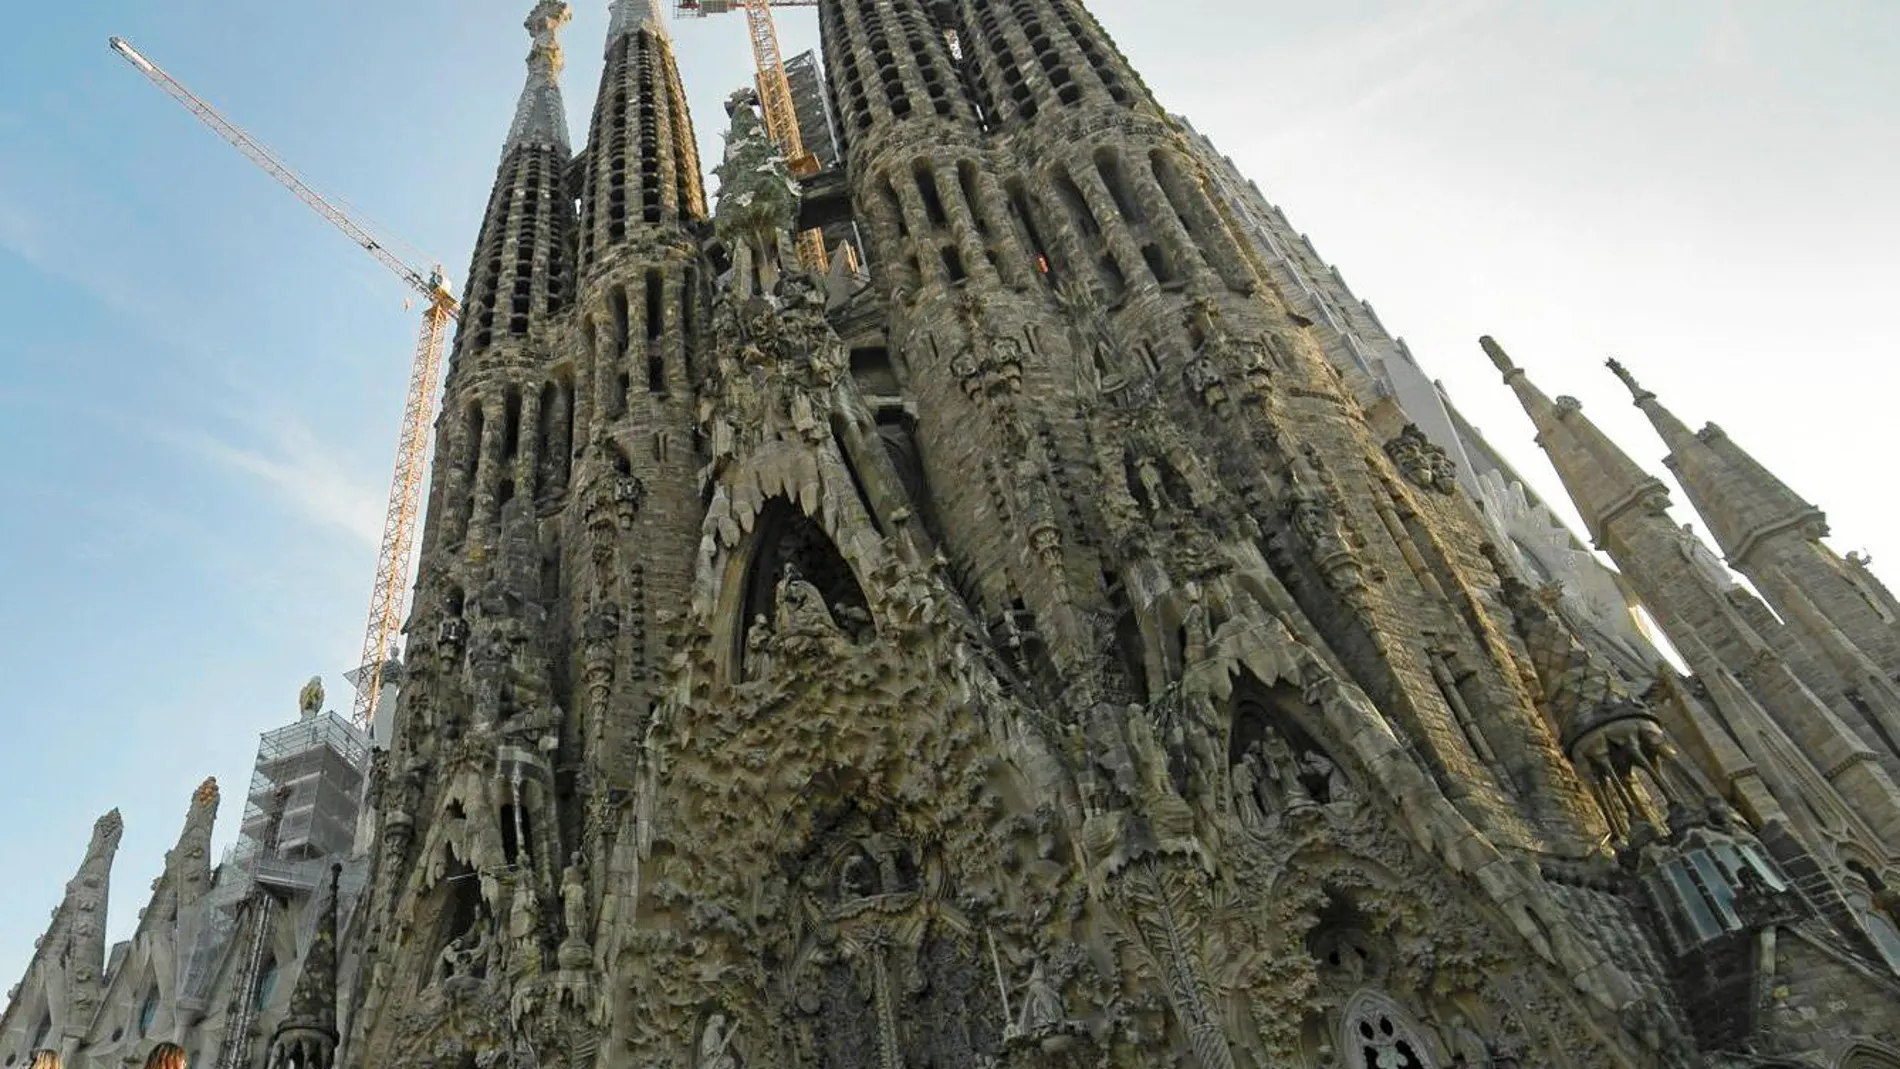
321,762
810,102
300,818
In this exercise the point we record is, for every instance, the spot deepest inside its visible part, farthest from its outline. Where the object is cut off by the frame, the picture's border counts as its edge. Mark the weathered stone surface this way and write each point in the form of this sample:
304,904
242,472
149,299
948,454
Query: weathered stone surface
1051,649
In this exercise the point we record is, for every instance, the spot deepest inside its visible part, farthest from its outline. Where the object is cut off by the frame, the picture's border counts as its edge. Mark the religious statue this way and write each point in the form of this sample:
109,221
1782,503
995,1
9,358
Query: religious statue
1042,1010
1283,770
715,1044
1323,779
1152,484
524,930
310,699
574,897
758,649
1194,628
801,608
1250,776
465,955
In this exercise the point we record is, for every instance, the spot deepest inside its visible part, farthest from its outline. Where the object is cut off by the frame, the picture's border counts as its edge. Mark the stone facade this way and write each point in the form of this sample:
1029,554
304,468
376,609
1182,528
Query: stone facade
1037,649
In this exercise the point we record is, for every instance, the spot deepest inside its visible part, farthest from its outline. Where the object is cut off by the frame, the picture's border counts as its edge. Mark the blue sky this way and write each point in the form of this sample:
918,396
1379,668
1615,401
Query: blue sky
199,382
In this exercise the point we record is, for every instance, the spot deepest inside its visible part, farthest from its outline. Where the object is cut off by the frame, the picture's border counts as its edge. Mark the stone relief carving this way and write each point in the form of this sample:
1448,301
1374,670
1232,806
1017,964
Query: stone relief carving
1423,462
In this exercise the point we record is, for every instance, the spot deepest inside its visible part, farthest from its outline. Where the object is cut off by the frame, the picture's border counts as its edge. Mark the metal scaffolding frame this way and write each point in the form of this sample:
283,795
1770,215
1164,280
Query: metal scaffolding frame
300,817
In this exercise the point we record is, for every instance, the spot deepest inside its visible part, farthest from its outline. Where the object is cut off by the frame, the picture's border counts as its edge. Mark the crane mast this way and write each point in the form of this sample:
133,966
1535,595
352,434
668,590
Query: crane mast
440,307
775,99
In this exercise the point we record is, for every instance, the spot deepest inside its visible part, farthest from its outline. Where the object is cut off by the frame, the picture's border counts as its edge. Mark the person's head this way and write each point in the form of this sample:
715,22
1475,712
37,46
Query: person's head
43,1059
167,1056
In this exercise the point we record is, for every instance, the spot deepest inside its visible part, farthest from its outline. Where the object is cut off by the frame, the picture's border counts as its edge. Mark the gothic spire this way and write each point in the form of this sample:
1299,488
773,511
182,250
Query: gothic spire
541,117
1738,497
83,916
518,275
189,862
1601,478
307,1038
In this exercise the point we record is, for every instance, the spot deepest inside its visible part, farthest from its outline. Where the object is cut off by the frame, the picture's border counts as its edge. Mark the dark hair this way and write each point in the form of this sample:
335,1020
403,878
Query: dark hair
167,1056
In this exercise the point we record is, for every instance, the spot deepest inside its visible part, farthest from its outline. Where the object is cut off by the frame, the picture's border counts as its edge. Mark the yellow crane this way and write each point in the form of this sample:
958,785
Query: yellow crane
775,97
412,450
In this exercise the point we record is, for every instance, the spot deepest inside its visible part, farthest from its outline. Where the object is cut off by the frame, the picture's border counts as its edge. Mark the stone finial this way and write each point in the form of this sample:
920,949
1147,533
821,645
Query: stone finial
1499,357
1636,391
541,115
206,794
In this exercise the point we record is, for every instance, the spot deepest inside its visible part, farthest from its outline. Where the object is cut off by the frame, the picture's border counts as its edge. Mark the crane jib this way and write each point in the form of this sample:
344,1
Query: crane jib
405,492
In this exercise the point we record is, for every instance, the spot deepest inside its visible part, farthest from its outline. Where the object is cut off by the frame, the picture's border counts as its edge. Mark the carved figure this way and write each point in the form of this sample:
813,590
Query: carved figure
574,897
801,608
715,1044
310,698
1043,1010
524,931
758,649
1246,786
1422,461
1322,778
1283,770
466,954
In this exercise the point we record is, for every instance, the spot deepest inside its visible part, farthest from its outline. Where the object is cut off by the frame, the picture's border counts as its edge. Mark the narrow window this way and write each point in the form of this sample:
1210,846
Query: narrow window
617,397
1157,263
1078,205
953,264
656,309
966,178
1109,166
1019,206
473,458
927,189
511,424
896,207
617,305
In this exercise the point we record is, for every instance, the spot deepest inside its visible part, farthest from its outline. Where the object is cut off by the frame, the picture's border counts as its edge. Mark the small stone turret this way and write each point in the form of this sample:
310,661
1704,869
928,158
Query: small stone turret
307,1037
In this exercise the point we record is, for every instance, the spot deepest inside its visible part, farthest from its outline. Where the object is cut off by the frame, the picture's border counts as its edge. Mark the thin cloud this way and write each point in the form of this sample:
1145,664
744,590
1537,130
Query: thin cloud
309,475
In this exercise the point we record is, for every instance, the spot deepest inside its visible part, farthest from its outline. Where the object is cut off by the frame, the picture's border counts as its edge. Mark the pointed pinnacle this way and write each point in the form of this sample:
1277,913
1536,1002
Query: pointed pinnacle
1629,380
1498,356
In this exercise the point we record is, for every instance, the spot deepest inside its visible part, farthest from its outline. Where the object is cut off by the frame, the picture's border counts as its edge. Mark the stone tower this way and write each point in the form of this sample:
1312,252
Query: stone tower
1052,646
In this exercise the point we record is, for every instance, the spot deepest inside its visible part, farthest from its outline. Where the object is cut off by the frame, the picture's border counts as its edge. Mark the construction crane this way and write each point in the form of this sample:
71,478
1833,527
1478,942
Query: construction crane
405,490
775,97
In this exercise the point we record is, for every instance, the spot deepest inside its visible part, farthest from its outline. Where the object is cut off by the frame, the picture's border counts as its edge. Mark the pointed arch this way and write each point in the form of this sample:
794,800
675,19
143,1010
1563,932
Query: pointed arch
783,534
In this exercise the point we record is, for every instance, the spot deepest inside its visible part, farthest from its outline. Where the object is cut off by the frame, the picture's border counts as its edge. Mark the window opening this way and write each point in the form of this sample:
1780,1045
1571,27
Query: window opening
927,189
656,311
